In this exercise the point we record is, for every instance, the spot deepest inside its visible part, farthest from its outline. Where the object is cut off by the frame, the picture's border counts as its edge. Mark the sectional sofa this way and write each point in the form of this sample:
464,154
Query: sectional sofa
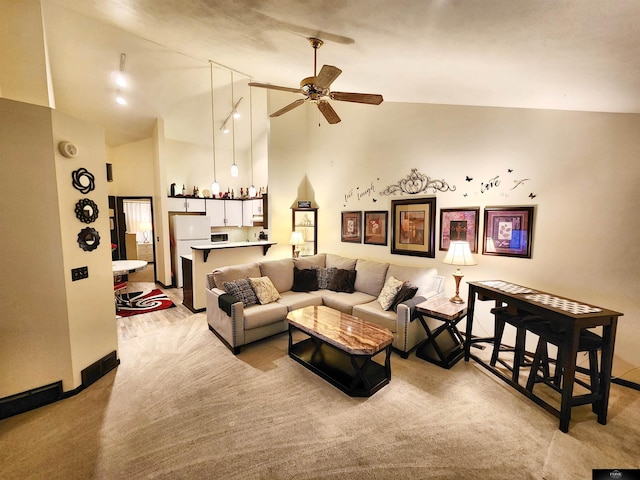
238,319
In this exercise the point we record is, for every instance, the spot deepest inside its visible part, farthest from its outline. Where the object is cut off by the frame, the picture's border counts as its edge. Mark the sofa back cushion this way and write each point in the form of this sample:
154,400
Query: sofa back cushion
280,272
371,276
425,279
234,272
310,262
340,262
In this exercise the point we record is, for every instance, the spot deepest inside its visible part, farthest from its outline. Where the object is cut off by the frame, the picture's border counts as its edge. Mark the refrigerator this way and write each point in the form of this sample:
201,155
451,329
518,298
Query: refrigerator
187,231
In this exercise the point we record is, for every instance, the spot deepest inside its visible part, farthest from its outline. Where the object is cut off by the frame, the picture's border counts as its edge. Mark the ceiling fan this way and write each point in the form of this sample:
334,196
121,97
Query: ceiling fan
316,89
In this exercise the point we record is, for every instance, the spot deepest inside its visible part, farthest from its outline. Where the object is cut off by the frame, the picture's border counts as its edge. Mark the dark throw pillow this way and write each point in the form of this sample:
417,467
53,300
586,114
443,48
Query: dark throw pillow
242,290
304,280
343,281
406,292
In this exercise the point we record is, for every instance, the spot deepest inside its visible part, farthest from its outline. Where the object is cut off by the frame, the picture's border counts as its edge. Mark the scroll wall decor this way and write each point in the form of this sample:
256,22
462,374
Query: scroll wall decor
416,183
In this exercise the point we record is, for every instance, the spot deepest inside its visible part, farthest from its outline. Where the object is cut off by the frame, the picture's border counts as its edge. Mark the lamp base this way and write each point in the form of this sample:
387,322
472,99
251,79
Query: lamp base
456,299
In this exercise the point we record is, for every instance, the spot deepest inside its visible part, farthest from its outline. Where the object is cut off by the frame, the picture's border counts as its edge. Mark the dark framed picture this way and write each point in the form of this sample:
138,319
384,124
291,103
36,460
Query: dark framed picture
351,227
508,231
413,227
459,224
375,227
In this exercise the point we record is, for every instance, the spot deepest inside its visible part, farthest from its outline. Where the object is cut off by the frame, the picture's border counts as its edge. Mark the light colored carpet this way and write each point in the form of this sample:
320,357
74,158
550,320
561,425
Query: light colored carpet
182,406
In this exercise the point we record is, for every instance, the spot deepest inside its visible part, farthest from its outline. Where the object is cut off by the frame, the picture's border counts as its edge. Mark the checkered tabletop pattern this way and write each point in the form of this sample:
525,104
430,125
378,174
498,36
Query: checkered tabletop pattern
562,304
507,287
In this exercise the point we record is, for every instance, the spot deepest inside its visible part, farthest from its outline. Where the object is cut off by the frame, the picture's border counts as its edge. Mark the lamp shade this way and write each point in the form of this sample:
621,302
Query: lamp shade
459,254
296,238
145,226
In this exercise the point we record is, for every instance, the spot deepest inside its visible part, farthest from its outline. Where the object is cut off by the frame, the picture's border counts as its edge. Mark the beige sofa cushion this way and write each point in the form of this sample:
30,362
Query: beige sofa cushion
310,262
345,301
424,278
340,262
260,315
280,272
295,300
373,312
371,276
235,272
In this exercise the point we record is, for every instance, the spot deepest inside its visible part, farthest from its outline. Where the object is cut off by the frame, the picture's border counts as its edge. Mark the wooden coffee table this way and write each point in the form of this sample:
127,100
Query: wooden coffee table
340,348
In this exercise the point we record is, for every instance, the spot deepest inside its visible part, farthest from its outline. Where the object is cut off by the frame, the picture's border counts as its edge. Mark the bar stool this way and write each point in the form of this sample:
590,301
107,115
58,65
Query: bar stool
589,342
520,321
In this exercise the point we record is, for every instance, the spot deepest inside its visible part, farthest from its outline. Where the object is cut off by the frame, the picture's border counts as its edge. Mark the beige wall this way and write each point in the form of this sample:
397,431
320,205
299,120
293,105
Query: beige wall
51,328
582,167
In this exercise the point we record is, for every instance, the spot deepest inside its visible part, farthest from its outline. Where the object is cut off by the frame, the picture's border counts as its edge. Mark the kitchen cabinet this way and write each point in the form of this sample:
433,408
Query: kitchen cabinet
305,220
224,213
186,204
254,212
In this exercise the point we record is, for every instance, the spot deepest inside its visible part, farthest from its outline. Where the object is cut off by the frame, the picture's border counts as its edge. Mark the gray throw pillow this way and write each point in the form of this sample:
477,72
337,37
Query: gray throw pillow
324,277
242,290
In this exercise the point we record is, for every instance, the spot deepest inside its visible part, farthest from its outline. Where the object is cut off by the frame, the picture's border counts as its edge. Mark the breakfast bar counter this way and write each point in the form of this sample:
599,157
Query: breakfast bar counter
205,258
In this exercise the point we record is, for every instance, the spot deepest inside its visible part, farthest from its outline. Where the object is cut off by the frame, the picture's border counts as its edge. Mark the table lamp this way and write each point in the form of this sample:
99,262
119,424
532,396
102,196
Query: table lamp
296,240
459,254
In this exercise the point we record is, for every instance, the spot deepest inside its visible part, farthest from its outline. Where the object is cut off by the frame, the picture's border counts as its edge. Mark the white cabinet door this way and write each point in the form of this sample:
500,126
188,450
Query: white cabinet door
176,204
233,212
195,205
215,212
247,213
256,205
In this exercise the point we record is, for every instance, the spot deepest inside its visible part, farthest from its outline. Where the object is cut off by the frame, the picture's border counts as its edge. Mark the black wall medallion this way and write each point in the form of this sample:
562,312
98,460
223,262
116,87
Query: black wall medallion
83,180
416,183
86,210
88,239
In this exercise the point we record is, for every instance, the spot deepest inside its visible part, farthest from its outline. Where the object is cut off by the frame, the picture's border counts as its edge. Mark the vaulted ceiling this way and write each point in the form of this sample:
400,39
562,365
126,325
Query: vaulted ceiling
555,54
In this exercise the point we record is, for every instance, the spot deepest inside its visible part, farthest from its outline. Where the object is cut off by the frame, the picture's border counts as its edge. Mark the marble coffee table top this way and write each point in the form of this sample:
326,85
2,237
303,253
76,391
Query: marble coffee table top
344,331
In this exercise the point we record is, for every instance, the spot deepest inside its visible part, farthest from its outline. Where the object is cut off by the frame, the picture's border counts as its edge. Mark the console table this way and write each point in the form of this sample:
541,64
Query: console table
566,315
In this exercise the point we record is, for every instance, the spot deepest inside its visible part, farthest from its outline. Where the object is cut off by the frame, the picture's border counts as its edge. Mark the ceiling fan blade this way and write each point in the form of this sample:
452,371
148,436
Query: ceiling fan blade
276,87
291,106
328,73
328,112
370,98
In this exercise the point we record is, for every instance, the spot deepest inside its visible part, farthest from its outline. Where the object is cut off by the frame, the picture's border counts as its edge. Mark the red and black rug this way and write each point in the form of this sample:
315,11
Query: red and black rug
140,302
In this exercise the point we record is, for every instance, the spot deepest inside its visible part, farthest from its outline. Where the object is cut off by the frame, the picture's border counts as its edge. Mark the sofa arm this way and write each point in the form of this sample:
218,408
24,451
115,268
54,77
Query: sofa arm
229,328
407,332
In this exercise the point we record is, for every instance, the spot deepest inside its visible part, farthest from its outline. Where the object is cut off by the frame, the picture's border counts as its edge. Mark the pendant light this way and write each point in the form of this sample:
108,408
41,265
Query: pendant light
215,186
252,188
234,167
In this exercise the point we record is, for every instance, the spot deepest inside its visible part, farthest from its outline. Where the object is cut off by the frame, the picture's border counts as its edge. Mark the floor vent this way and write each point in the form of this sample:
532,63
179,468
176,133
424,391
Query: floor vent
98,369
25,401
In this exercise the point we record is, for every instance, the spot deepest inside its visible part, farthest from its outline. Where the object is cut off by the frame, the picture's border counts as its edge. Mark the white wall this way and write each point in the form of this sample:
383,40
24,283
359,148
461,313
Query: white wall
582,168
51,328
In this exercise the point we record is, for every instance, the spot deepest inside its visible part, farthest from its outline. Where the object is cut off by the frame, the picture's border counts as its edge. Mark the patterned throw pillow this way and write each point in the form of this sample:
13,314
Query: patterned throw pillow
242,290
265,291
324,277
389,291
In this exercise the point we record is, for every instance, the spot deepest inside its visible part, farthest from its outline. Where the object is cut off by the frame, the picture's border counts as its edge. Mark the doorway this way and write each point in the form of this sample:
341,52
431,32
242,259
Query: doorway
132,229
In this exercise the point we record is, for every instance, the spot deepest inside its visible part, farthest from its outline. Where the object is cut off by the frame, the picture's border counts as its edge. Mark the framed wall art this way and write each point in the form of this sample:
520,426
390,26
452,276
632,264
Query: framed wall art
459,224
508,231
413,227
375,227
351,227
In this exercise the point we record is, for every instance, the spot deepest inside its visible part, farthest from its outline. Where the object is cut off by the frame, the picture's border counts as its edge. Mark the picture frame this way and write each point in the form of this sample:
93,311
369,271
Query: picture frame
351,230
413,227
459,224
508,231
376,227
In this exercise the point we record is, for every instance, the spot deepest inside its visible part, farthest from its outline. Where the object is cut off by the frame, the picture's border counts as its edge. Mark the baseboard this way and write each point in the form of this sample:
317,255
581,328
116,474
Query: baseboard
41,396
625,383
31,399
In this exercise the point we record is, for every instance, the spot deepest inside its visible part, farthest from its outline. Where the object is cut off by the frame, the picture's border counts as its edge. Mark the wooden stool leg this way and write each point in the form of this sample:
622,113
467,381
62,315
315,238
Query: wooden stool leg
497,339
518,354
541,351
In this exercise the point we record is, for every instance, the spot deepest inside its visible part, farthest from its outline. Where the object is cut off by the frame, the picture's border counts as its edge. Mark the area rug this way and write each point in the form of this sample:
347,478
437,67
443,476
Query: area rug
141,302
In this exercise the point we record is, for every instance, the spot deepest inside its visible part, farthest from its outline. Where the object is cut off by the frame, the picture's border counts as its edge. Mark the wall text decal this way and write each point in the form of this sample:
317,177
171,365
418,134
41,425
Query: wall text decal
416,183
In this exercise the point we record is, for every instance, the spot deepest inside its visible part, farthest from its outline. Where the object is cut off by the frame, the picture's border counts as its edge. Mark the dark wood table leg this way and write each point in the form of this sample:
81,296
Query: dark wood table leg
471,301
608,343
568,376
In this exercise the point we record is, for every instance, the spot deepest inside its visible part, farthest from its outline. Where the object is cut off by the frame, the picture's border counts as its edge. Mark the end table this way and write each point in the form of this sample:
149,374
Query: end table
444,345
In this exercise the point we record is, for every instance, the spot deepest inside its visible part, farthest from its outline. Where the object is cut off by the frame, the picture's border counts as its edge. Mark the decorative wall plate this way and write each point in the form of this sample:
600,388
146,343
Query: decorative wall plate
86,210
88,239
83,180
68,149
